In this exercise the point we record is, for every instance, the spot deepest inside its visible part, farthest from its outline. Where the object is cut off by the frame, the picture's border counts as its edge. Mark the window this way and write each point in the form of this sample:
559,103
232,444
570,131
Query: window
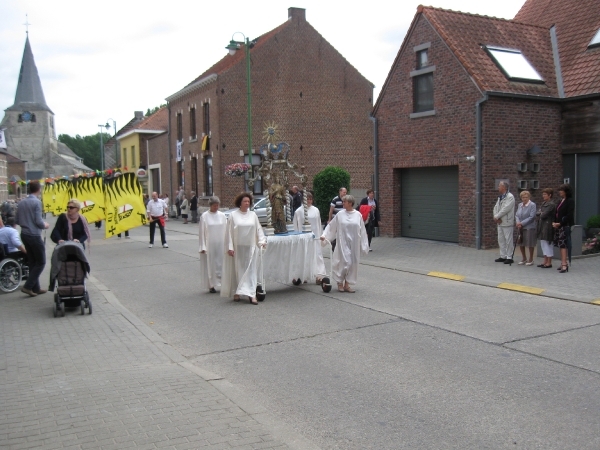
422,59
208,176
133,157
193,123
180,174
179,127
513,64
423,93
595,42
206,118
124,151
195,174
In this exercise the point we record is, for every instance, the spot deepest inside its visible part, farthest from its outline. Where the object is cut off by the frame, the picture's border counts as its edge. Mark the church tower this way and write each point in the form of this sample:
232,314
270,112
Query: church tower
29,128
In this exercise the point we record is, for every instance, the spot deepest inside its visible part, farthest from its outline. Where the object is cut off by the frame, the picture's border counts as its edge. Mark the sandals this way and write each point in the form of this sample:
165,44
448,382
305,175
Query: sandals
319,281
340,287
236,298
347,288
253,300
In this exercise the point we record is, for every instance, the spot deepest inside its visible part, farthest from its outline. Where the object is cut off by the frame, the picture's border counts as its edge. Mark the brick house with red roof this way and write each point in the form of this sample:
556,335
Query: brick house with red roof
472,100
320,103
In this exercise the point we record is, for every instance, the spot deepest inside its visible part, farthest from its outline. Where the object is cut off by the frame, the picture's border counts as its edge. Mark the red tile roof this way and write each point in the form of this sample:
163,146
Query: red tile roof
576,21
228,61
157,121
466,33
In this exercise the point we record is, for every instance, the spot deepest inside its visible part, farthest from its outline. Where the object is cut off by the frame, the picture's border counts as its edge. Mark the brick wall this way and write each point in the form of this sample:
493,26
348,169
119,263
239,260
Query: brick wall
510,127
319,101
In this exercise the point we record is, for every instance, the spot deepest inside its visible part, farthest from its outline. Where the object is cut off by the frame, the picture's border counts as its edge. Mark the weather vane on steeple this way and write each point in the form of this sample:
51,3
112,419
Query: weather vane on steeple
26,25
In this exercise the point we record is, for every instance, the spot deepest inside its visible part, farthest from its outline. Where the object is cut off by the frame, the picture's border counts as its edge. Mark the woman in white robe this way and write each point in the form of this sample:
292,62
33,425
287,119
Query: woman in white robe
314,219
348,228
243,238
212,228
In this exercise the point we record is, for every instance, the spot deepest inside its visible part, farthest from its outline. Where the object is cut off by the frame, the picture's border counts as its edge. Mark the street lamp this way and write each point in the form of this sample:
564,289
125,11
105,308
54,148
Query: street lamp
233,47
107,126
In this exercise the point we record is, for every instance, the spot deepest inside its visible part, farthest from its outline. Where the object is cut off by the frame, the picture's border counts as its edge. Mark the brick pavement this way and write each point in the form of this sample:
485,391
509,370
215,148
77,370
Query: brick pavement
107,381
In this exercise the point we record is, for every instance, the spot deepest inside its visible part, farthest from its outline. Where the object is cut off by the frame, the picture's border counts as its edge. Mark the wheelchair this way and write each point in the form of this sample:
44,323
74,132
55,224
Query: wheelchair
12,271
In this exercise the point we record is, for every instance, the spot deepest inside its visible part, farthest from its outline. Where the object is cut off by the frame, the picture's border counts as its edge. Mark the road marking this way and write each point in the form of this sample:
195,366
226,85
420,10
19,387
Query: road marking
520,288
448,276
596,302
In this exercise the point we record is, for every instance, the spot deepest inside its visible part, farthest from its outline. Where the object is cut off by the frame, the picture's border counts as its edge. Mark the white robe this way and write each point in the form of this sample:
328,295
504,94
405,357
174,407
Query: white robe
244,235
212,228
314,219
348,228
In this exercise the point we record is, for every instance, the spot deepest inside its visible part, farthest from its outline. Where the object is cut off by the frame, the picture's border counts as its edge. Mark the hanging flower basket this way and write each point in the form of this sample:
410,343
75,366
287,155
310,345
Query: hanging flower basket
237,169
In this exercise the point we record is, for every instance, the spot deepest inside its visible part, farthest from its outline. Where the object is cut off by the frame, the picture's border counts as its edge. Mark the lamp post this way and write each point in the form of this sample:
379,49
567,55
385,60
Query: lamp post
233,47
102,145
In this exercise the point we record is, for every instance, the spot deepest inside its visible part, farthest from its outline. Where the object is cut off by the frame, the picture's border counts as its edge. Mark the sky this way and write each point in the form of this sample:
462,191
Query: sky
101,63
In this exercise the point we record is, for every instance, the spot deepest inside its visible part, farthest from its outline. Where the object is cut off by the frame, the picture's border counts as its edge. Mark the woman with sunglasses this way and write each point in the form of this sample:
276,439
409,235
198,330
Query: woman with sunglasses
71,226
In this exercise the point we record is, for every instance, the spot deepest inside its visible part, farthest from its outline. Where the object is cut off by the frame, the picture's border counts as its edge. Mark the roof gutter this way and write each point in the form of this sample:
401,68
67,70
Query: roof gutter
478,169
138,131
192,87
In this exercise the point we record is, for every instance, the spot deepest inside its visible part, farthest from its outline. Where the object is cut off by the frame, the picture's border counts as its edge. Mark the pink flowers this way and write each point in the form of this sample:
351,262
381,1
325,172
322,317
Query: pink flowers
237,169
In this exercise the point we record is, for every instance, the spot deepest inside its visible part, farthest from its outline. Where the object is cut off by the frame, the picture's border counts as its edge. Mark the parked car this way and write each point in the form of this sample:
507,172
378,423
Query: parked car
259,207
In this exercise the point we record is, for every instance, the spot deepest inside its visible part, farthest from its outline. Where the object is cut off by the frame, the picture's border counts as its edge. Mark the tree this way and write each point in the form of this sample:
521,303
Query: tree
86,147
326,185
151,111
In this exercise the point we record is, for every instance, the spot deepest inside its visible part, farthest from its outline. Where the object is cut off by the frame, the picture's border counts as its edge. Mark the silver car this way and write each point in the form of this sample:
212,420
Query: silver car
260,208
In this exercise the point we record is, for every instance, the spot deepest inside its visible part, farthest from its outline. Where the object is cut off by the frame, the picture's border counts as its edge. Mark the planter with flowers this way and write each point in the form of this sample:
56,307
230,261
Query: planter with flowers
592,245
237,169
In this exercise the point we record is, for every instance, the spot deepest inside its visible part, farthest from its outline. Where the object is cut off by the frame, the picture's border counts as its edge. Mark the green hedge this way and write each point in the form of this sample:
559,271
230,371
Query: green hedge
326,185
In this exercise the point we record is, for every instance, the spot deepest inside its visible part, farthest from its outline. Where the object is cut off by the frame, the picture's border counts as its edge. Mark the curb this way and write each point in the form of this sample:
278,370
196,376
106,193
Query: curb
279,430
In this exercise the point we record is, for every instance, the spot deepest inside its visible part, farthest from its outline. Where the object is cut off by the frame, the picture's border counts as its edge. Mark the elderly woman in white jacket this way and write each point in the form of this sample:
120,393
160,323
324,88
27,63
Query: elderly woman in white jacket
314,220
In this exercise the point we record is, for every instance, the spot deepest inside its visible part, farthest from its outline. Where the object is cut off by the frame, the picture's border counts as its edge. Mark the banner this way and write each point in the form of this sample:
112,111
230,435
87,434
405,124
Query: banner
179,143
90,193
124,204
55,196
2,139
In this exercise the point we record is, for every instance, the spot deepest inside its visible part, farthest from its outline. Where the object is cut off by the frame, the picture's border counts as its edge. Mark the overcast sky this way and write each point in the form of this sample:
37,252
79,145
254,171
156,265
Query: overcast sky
107,60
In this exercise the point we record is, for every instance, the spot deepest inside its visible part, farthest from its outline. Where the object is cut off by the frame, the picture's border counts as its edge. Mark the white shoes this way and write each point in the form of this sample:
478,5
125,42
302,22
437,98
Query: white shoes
150,245
165,245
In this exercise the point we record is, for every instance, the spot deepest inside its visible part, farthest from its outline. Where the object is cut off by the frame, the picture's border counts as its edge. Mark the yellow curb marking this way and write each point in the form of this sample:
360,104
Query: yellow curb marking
448,276
520,288
596,302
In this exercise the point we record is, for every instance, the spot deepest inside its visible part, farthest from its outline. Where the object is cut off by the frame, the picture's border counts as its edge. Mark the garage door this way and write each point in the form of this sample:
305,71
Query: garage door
430,203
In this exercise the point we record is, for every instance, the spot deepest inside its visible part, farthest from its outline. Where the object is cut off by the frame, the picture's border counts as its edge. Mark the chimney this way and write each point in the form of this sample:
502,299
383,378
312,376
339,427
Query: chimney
297,13
138,114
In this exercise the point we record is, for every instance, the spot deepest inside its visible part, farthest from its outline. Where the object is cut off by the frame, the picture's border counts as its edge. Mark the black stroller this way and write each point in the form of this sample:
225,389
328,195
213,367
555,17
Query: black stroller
68,271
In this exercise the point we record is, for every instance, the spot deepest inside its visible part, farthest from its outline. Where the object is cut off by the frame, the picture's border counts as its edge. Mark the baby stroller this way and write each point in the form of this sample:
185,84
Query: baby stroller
69,270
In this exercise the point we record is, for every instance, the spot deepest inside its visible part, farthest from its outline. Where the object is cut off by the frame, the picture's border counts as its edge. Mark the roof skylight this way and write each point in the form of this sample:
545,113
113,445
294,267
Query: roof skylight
595,40
514,65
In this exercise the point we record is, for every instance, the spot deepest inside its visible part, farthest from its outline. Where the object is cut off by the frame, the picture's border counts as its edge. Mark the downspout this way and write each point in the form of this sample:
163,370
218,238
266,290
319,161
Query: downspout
478,170
375,162
171,201
148,166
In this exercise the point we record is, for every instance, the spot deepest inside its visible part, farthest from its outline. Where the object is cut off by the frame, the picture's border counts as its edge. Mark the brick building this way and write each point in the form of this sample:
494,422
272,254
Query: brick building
472,100
318,100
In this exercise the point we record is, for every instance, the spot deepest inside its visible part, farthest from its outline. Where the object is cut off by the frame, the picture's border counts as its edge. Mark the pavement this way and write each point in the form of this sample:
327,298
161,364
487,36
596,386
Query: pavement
108,381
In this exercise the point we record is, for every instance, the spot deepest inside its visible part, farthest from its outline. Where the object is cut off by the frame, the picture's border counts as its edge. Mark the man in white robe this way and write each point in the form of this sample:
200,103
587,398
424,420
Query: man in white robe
348,228
212,229
314,219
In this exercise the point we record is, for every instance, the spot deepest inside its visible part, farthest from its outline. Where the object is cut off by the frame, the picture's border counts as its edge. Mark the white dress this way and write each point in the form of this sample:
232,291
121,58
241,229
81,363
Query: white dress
211,235
244,235
314,219
348,228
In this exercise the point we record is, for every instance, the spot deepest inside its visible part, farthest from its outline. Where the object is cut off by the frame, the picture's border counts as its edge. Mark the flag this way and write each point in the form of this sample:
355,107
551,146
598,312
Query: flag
179,143
2,139
205,142
90,193
55,196
124,203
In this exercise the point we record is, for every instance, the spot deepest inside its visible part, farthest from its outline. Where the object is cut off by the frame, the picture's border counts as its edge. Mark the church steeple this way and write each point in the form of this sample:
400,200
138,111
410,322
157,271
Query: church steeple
29,96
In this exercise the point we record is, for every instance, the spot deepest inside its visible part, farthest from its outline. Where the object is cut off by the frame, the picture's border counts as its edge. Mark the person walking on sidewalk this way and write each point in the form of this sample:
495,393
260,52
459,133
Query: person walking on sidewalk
156,210
504,216
194,207
29,218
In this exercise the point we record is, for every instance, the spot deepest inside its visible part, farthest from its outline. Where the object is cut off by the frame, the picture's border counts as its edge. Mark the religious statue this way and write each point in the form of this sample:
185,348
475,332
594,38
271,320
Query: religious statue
278,199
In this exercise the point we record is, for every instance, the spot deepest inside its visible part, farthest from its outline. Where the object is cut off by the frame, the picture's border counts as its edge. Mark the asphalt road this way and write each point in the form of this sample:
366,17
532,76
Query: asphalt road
408,361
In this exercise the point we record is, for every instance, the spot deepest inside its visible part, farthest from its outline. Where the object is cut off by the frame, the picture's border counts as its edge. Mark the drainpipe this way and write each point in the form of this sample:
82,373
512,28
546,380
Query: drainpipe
375,162
478,170
172,199
148,166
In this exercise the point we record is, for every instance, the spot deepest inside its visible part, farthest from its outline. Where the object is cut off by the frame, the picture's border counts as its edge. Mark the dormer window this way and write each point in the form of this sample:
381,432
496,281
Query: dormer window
513,64
595,42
